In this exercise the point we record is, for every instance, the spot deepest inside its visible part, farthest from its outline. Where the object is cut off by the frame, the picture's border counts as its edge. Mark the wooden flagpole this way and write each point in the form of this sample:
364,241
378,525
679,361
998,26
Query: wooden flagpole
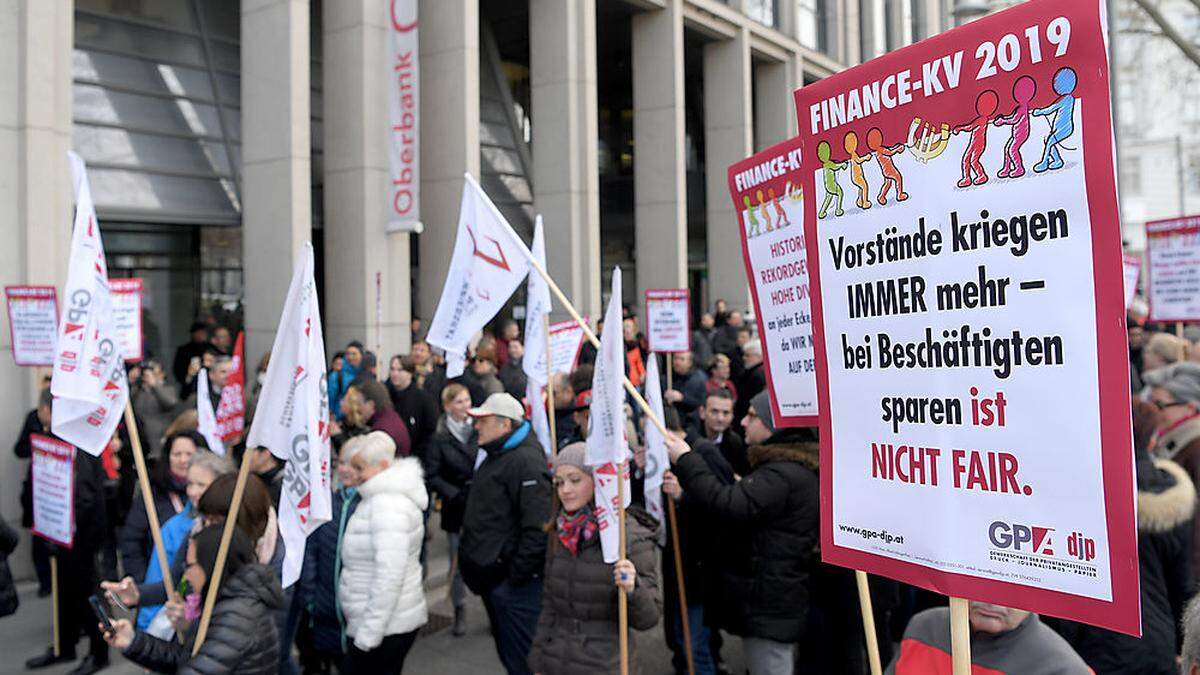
622,599
550,389
54,604
868,615
683,613
139,461
960,635
223,551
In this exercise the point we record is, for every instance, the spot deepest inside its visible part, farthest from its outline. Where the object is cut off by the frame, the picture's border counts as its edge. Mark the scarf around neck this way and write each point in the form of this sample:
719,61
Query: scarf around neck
574,528
461,431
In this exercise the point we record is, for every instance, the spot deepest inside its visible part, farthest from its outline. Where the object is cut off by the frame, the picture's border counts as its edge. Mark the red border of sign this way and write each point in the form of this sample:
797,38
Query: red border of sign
135,286
755,159
1184,225
669,294
8,307
1123,612
567,325
71,451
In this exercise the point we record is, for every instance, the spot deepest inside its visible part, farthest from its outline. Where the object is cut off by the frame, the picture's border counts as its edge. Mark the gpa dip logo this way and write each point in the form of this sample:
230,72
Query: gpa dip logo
1034,539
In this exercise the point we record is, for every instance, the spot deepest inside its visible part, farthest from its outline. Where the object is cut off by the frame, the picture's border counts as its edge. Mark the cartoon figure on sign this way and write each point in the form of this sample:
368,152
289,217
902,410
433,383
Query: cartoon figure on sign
856,171
781,219
752,227
891,175
1062,119
829,169
972,169
1023,90
762,210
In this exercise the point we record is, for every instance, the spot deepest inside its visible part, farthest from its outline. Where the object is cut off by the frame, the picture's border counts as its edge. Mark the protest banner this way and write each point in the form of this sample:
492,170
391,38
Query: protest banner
404,105
127,316
32,324
963,299
231,410
1133,272
669,320
767,197
1173,263
566,342
53,474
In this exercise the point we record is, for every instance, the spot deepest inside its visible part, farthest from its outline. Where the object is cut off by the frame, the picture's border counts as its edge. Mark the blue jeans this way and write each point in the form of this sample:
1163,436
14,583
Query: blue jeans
513,613
701,658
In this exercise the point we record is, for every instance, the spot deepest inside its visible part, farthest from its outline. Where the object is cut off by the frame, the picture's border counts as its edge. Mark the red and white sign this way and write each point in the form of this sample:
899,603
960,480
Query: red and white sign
32,324
127,316
231,411
53,474
1133,271
566,342
404,105
964,248
668,320
770,205
1173,259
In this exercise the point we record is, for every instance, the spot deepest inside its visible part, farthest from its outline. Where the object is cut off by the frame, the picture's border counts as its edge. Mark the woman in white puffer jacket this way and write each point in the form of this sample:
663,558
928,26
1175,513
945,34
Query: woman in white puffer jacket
380,588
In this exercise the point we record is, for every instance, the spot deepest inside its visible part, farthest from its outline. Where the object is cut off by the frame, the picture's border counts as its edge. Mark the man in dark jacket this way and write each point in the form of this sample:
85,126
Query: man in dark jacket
503,548
512,373
193,349
776,504
689,385
77,572
36,422
415,406
750,382
713,423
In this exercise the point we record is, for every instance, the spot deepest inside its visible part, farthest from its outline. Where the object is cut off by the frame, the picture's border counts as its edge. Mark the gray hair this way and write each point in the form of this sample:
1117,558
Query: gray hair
350,448
1191,634
1182,380
215,464
377,447
752,347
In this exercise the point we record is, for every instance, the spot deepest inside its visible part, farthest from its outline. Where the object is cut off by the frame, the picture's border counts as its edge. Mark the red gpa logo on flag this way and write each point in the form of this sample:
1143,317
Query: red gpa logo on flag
500,262
303,506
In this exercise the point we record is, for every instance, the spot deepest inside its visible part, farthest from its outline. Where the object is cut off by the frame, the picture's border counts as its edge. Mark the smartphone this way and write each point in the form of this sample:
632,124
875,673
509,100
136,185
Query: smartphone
101,611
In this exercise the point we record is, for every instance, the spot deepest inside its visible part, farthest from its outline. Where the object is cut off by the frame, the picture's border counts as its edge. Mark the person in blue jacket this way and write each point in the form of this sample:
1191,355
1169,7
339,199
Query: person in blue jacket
338,381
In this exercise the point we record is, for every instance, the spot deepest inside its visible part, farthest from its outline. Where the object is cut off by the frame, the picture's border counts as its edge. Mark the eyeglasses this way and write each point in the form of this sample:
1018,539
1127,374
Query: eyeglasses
1163,406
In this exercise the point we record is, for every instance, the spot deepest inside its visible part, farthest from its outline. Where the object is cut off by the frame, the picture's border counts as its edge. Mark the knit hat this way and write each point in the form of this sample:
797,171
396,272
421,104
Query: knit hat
574,455
761,404
1181,379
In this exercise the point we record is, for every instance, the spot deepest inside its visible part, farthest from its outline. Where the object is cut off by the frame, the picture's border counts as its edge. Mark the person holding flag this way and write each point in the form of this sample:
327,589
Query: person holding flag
579,603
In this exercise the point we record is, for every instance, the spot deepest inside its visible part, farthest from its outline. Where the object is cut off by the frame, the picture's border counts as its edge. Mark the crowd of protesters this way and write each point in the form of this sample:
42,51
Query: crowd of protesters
411,445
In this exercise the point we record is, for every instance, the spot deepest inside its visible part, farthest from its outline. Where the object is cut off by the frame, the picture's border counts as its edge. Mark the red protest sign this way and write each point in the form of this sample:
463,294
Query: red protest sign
962,233
126,297
669,320
1173,254
32,324
53,471
231,411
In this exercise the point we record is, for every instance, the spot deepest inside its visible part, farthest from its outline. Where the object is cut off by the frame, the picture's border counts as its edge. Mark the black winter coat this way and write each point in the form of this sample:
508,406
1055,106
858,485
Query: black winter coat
135,543
9,600
1166,506
449,466
241,636
419,410
777,505
23,450
577,629
508,505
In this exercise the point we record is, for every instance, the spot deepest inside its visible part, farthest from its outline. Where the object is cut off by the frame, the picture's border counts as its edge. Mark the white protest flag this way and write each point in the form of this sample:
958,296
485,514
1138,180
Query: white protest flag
292,420
206,419
537,414
606,445
89,384
656,445
537,309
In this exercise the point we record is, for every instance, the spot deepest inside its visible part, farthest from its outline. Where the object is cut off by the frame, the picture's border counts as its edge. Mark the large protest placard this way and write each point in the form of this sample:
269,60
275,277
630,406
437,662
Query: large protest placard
53,491
769,202
962,232
566,341
1173,257
668,320
127,316
32,324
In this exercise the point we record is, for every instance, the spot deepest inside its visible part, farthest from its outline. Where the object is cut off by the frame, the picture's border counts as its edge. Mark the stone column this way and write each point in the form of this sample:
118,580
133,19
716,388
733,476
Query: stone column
277,162
728,138
659,171
36,37
851,37
562,56
449,133
362,260
774,105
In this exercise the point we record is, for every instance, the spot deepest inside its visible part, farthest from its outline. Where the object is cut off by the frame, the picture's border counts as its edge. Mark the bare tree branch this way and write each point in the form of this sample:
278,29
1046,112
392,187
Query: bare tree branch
1189,50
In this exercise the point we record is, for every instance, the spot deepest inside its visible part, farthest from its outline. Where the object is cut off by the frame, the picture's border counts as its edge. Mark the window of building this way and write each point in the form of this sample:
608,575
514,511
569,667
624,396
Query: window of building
813,24
1132,176
762,11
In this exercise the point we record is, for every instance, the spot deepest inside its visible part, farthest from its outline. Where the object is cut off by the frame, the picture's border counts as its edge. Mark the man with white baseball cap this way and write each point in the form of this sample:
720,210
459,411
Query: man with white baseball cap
503,549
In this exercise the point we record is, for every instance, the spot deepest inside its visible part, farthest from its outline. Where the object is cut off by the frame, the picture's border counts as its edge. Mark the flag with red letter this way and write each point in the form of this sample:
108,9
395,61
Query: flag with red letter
89,384
607,448
656,445
292,420
488,264
537,308
231,411
206,418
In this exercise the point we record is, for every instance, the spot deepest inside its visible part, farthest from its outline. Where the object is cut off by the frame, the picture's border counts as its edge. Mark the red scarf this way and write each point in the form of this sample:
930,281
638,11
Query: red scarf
572,529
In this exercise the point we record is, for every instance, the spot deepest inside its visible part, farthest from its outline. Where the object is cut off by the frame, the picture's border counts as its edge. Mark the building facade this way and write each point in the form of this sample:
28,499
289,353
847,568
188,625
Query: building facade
221,134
